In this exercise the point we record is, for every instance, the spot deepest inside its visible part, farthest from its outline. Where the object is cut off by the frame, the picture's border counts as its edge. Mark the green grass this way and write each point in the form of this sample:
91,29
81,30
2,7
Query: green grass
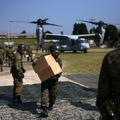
16,41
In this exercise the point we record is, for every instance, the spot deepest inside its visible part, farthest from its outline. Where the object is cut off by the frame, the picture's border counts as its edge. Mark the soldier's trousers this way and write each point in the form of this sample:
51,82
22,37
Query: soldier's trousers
1,65
18,87
29,59
49,92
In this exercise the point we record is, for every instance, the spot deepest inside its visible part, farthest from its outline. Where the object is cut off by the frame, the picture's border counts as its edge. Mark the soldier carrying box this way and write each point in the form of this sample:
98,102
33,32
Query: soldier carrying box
49,86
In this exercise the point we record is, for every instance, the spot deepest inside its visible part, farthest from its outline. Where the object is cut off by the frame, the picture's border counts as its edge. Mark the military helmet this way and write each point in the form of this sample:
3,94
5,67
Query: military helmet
21,47
1,46
55,48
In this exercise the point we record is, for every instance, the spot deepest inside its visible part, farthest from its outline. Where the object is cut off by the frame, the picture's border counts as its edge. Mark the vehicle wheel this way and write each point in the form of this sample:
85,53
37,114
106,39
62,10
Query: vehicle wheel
85,51
74,51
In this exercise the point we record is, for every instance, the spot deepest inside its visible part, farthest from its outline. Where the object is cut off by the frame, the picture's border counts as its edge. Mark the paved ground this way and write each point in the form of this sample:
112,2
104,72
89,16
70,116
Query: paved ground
75,100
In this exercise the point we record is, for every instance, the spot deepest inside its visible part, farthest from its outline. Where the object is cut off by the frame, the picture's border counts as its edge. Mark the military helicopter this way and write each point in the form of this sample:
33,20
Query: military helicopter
71,42
99,30
39,30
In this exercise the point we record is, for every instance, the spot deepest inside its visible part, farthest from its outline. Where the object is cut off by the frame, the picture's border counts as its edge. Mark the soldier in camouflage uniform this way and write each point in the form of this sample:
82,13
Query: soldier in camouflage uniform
1,58
6,53
29,53
17,71
10,56
49,87
108,98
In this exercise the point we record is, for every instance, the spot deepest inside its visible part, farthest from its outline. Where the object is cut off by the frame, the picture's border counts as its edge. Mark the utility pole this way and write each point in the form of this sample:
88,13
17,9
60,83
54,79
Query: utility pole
92,20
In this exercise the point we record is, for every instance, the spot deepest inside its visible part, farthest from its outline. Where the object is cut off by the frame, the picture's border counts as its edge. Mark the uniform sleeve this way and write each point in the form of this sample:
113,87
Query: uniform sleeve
104,83
18,63
60,63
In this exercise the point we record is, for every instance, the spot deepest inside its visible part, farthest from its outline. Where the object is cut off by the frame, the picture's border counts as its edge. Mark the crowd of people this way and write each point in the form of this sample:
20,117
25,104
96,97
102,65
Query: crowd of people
7,54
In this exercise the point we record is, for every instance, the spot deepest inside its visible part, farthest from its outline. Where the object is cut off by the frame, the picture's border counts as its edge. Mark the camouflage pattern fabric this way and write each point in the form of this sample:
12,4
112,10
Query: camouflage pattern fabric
30,53
1,59
18,74
10,55
49,88
6,53
109,79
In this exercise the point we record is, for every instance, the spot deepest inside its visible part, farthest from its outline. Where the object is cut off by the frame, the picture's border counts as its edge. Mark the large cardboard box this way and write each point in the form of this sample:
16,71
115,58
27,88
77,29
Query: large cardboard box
43,62
50,71
46,67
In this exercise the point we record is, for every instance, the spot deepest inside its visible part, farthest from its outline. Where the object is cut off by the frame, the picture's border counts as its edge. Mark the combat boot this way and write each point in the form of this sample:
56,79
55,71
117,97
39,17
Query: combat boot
44,112
28,59
1,69
19,99
50,108
15,100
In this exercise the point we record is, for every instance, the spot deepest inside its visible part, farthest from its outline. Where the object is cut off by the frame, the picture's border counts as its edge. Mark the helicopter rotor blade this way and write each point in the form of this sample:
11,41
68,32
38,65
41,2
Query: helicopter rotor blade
45,19
34,22
96,23
39,22
20,21
53,24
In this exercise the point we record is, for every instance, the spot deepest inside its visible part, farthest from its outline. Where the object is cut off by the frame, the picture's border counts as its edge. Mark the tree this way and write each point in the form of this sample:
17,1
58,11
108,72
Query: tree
23,32
79,29
111,35
92,30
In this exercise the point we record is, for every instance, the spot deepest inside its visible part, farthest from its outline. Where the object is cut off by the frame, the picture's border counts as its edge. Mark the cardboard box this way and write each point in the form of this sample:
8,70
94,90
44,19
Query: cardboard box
46,67
50,71
43,62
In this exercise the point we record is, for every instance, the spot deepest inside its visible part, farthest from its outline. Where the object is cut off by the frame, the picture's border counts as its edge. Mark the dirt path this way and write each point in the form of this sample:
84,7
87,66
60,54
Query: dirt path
30,76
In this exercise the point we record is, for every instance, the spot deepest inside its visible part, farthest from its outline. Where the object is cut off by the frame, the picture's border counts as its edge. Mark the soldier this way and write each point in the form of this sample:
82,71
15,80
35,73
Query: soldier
108,98
17,71
1,58
29,53
4,49
10,56
6,53
49,87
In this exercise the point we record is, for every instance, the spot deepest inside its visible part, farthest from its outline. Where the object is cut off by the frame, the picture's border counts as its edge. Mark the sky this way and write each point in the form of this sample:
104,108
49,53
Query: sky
61,12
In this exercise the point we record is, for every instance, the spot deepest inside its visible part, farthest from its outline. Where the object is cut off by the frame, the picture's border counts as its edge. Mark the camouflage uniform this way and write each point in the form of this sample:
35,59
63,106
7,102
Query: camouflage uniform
1,59
10,56
49,89
4,49
109,81
17,71
6,53
29,52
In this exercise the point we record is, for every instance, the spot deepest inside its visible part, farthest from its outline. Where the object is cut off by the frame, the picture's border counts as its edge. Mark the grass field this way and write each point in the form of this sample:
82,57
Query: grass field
83,63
